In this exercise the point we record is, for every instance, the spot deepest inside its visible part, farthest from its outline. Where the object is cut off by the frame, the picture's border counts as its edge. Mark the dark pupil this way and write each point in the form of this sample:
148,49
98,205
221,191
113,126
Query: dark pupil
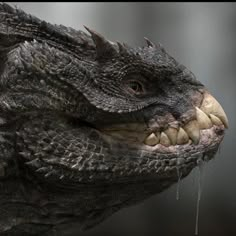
136,87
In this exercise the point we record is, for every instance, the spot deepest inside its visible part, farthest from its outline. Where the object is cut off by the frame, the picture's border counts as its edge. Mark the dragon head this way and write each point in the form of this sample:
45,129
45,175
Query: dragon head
151,114
89,126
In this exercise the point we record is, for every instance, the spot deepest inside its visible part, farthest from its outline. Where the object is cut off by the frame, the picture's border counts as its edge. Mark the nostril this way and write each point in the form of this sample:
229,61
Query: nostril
219,130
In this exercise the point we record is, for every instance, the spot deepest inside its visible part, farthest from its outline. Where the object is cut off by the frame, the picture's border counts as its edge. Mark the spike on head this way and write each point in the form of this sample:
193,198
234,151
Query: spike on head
122,49
161,47
104,48
149,43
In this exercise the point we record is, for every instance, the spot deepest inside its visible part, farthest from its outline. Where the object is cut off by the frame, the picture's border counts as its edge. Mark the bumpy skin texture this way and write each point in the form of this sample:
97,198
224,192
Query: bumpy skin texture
61,92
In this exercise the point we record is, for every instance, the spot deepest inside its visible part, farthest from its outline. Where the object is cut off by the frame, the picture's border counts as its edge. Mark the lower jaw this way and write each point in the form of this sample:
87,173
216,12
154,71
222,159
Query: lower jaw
166,175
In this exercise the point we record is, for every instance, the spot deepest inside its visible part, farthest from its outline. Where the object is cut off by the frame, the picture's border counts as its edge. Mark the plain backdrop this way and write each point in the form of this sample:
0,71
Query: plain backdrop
202,37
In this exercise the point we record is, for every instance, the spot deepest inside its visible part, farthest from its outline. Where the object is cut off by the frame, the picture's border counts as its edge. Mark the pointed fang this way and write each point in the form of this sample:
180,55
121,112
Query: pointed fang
211,106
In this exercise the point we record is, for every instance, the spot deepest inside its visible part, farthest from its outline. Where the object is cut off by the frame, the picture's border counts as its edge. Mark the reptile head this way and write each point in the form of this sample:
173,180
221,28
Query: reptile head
154,115
79,112
88,110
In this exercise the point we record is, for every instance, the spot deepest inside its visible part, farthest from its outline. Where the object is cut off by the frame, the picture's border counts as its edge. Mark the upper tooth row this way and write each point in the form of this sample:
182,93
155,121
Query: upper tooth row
182,135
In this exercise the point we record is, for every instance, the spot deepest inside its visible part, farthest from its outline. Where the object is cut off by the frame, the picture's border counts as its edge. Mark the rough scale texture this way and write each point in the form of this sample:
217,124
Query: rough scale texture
88,126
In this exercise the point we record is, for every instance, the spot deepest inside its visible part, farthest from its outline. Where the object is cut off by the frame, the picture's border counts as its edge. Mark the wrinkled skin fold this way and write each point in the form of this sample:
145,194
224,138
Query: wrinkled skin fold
89,126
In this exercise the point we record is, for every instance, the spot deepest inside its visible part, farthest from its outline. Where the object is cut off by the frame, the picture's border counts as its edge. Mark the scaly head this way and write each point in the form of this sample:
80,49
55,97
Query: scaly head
155,117
94,111
89,126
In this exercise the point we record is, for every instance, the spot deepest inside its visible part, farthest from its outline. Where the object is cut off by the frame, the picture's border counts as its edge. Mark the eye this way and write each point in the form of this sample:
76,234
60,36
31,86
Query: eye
135,87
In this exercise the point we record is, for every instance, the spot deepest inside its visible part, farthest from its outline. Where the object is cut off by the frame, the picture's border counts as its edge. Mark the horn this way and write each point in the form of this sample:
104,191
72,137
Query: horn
104,48
149,43
122,49
162,48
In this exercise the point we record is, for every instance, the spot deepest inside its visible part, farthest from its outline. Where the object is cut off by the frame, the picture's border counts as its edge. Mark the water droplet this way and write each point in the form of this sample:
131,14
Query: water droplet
179,174
200,178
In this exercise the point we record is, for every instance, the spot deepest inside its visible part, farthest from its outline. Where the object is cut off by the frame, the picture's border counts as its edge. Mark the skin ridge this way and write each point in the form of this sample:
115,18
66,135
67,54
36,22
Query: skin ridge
59,89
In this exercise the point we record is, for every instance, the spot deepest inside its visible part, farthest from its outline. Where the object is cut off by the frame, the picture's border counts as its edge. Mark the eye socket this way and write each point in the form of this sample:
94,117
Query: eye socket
135,87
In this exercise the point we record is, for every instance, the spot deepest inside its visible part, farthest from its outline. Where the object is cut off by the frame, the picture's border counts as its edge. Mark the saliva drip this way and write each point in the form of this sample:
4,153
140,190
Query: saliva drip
179,174
200,177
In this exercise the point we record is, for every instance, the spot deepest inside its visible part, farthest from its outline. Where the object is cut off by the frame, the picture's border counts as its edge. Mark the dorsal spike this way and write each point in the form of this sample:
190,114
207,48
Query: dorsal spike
104,48
126,45
122,48
149,43
161,47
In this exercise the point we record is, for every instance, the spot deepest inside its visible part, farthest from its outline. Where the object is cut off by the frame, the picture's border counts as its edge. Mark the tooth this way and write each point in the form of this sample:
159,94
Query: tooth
182,137
211,106
164,140
172,134
151,140
203,120
215,120
193,131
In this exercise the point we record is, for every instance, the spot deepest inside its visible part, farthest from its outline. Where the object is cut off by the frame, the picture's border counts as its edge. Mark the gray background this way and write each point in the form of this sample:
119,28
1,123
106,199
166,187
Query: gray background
201,36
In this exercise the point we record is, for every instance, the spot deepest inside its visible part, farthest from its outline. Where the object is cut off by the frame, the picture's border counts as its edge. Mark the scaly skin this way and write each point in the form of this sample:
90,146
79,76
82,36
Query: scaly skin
89,126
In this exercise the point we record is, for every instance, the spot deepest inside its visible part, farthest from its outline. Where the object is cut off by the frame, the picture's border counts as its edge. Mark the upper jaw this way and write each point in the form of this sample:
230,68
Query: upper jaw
208,114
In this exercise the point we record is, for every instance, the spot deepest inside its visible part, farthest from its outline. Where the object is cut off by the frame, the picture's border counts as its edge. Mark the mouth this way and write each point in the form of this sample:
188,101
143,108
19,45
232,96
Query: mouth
163,151
200,135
